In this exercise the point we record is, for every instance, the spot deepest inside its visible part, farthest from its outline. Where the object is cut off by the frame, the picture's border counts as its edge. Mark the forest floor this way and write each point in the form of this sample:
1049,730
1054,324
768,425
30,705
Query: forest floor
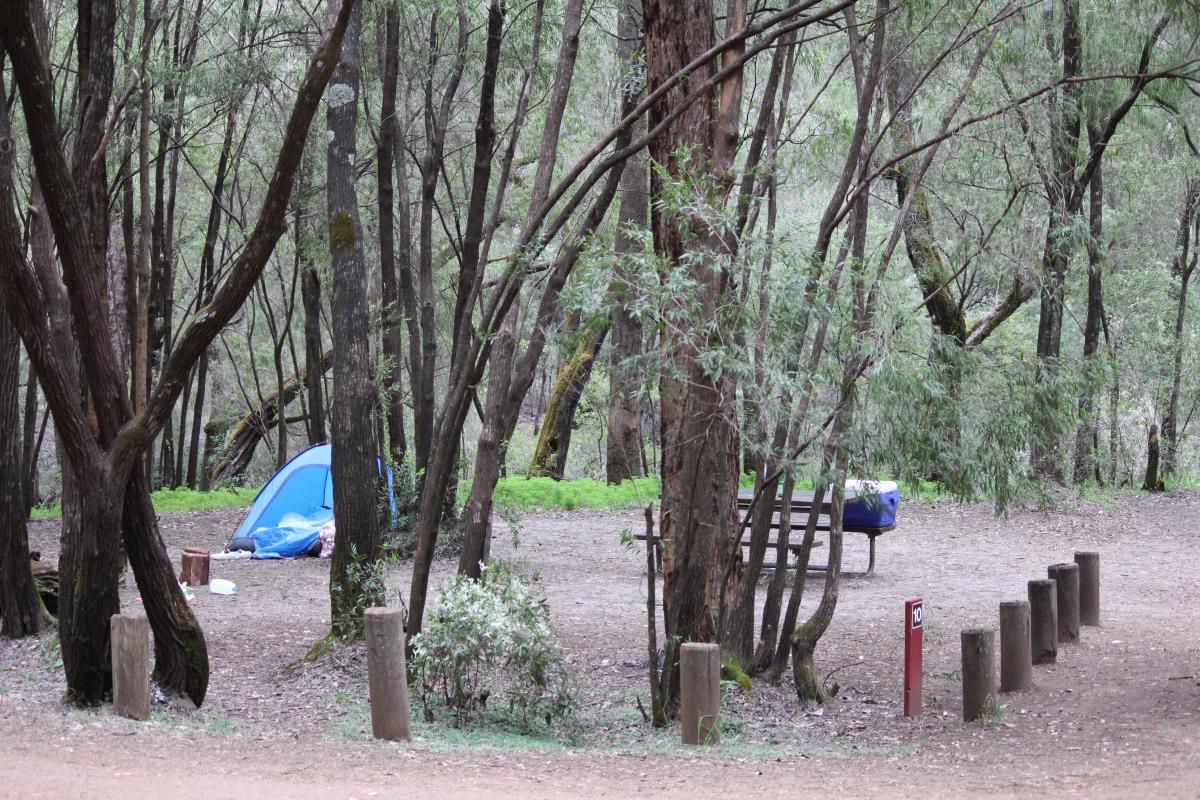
1117,716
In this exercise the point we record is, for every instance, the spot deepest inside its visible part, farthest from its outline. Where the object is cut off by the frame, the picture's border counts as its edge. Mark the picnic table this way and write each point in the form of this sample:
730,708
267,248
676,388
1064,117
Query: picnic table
802,503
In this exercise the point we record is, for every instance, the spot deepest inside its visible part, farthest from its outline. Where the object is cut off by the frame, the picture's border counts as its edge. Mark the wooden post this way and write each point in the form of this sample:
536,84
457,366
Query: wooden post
1043,621
131,665
195,568
387,677
1089,588
1016,664
700,693
978,672
1066,576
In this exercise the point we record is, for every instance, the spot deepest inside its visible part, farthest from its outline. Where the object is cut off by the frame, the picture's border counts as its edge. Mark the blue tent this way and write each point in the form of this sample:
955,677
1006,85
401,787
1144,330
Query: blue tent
288,512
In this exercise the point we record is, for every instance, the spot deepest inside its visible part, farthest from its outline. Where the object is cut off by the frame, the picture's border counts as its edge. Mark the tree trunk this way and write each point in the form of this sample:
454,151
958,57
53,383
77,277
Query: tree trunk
1152,482
180,652
499,414
699,434
355,462
1181,269
1085,436
554,441
20,608
258,422
393,398
623,451
310,295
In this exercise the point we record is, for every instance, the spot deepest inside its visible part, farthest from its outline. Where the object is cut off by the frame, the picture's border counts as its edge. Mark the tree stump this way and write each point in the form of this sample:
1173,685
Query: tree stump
1089,587
1066,576
978,672
1043,621
131,665
195,568
387,677
1016,663
700,693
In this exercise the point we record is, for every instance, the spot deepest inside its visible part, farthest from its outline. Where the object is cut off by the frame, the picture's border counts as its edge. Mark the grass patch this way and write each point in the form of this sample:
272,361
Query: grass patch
541,494
181,499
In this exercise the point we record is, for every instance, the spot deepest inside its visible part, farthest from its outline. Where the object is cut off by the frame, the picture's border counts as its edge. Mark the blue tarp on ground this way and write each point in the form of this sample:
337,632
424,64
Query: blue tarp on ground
286,515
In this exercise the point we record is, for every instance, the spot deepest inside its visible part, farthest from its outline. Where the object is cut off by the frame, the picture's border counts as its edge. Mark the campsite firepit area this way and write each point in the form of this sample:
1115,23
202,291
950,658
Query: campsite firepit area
1122,701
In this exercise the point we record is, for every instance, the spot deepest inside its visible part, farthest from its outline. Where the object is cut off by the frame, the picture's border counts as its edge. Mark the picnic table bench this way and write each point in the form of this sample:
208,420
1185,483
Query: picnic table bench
802,503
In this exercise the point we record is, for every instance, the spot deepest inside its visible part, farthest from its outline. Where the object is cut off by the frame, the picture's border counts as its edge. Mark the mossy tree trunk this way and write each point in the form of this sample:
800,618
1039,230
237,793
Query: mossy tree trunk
554,440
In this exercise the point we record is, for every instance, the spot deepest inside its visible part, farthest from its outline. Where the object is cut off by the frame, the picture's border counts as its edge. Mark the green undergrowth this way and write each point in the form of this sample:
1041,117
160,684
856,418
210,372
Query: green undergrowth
544,494
169,500
516,493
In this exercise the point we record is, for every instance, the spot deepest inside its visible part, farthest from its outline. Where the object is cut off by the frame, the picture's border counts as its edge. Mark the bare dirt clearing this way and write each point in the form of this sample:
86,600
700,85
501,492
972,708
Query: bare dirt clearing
1116,717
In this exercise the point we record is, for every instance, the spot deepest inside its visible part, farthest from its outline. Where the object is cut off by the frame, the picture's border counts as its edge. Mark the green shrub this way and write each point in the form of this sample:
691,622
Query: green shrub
491,637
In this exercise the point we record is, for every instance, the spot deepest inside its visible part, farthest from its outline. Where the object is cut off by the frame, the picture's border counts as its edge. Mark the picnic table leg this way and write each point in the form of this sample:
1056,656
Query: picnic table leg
871,561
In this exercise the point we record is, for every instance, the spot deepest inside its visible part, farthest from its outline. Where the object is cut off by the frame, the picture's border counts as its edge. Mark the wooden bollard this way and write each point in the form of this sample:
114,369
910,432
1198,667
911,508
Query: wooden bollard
1066,578
194,571
700,693
131,665
1089,588
387,677
1043,621
1016,664
978,671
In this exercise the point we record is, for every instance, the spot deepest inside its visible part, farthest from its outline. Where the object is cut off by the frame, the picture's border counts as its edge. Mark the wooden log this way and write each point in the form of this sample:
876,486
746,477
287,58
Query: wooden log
1089,587
978,672
131,665
194,571
1016,663
700,693
387,677
1043,621
1066,578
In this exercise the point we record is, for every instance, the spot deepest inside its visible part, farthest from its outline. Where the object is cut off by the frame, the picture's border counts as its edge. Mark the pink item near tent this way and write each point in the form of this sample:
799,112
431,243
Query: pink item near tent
326,536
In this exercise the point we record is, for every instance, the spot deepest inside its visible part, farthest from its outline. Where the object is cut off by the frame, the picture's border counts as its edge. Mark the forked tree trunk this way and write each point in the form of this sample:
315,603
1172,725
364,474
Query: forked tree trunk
501,406
105,446
355,462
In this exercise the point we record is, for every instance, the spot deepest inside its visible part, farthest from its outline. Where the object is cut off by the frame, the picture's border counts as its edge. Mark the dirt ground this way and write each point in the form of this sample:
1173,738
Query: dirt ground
1117,716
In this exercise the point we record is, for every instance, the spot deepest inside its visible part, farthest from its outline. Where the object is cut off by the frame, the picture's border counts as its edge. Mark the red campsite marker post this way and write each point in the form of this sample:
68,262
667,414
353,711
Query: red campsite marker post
914,623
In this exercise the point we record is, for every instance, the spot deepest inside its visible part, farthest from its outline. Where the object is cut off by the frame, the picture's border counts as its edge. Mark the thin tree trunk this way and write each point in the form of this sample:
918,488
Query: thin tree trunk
623,451
1085,436
1181,270
393,356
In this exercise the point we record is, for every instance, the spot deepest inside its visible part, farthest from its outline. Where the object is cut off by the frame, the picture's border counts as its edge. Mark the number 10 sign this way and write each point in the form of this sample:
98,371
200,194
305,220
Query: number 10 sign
914,622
